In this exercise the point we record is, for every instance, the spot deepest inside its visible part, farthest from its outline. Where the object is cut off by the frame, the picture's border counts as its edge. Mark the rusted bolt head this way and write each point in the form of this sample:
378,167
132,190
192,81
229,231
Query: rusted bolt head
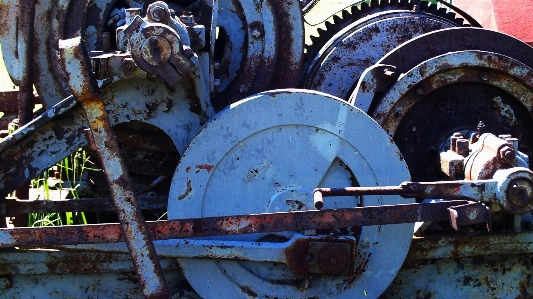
484,76
333,259
420,91
462,147
128,65
507,153
520,193
156,50
256,29
158,11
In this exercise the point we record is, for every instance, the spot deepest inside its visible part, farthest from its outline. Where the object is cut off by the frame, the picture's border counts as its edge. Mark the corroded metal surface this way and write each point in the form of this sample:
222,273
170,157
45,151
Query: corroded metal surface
231,225
347,56
103,140
490,265
481,86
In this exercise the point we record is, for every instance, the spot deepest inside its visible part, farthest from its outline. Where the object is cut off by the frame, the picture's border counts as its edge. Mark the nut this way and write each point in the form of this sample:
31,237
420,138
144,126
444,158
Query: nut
507,153
158,11
128,66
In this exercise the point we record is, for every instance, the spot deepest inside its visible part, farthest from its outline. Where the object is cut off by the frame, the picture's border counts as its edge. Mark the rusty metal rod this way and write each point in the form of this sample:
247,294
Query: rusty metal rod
232,225
15,207
102,138
481,190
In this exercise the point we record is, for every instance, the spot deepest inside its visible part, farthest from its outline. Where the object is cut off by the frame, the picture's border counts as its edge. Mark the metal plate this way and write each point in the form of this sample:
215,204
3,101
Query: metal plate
260,150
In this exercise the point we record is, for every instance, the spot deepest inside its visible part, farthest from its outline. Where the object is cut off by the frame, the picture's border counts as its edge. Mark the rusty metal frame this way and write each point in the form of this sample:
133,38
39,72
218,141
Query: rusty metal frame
231,225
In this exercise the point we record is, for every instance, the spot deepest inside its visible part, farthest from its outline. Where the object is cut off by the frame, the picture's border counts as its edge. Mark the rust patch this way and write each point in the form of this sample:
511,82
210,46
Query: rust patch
207,167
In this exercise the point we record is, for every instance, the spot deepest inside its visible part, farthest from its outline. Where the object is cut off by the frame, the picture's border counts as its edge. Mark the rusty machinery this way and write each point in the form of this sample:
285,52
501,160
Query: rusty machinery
408,119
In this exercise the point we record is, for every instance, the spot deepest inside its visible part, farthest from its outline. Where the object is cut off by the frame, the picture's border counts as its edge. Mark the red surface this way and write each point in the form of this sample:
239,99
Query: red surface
512,17
515,18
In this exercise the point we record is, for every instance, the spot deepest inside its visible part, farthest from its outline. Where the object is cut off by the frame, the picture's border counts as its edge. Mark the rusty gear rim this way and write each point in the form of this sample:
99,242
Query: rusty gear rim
421,52
484,86
357,12
347,55
286,142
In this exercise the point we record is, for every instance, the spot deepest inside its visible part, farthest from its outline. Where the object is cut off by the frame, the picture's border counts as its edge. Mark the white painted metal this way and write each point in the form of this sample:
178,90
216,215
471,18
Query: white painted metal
247,157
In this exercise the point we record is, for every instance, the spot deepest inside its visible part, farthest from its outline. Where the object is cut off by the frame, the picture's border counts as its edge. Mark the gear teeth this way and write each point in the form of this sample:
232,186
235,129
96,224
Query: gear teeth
442,12
424,6
374,3
356,12
345,15
365,7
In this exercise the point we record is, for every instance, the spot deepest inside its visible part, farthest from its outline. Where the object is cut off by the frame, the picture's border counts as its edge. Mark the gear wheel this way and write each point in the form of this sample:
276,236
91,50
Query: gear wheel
356,12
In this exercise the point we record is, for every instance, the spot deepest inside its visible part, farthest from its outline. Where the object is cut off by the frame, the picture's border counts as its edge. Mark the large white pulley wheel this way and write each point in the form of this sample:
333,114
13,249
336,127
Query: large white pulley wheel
266,154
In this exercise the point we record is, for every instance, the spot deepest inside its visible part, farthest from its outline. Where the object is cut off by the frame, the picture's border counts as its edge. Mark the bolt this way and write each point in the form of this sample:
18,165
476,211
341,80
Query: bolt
462,147
256,33
413,128
453,141
128,66
484,76
506,153
216,65
513,142
217,82
158,11
420,91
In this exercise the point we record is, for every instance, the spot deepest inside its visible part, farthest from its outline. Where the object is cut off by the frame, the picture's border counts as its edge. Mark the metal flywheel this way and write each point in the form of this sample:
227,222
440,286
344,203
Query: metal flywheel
266,154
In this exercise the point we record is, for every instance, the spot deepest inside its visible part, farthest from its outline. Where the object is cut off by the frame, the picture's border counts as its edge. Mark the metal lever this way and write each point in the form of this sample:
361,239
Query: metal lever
103,139
511,188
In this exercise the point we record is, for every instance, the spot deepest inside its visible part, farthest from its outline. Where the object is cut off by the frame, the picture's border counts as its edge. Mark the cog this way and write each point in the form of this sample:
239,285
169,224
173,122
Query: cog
356,12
